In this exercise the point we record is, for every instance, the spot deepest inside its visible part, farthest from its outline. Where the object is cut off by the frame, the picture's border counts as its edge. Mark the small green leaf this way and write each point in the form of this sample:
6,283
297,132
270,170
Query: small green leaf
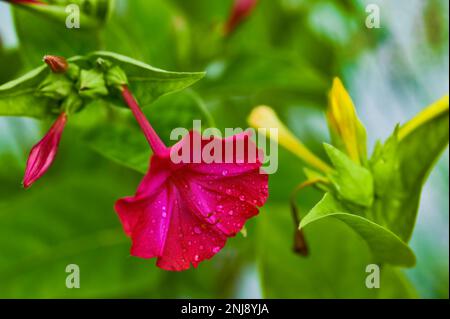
92,84
386,247
55,86
353,182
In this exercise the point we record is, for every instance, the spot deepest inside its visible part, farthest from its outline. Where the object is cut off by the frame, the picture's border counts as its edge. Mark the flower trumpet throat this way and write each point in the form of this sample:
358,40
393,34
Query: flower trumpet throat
264,117
183,213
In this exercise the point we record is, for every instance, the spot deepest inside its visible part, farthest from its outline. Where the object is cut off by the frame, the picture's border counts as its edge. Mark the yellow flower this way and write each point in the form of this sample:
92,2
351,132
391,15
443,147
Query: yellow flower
347,131
264,117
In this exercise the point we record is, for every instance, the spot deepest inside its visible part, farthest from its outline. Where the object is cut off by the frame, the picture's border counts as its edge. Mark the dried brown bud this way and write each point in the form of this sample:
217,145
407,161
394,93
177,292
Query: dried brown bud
300,246
56,63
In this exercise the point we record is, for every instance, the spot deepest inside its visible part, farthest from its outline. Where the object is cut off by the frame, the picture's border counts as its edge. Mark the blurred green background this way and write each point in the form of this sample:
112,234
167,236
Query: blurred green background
285,55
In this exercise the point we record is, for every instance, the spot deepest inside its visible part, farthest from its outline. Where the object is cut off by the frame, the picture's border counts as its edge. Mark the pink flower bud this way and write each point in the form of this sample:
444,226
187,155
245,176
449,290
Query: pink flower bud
43,153
241,10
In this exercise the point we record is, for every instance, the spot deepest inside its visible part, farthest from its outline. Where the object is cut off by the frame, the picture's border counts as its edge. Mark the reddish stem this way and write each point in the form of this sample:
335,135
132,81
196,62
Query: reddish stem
27,2
157,145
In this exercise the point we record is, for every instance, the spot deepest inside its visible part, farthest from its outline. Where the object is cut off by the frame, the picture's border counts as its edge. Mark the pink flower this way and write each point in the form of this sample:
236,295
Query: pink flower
43,153
183,213
240,11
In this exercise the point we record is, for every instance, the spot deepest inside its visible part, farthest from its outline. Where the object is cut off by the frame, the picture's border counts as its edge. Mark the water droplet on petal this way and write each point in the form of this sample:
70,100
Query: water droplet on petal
242,198
231,212
225,172
164,214
229,191
216,249
197,230
196,258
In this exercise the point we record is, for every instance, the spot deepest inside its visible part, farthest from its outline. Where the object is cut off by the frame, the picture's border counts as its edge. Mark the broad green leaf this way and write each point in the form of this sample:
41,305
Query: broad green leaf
353,182
18,98
402,165
385,246
335,267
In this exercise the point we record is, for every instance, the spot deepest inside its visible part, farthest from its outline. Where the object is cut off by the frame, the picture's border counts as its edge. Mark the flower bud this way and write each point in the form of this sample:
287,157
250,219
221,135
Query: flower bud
56,63
43,153
263,117
241,10
347,131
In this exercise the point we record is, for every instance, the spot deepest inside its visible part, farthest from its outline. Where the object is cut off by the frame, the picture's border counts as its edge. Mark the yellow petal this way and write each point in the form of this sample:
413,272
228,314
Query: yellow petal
429,113
265,117
346,128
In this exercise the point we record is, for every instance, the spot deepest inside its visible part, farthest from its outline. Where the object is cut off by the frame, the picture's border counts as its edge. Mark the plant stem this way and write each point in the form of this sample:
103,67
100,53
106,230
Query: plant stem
157,145
300,246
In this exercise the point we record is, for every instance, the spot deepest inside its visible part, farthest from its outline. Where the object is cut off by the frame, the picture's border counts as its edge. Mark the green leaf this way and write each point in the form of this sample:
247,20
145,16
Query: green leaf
17,98
402,165
147,83
353,182
385,246
335,268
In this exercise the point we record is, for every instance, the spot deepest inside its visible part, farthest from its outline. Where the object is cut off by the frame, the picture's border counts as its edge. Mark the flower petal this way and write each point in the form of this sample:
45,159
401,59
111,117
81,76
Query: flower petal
183,213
